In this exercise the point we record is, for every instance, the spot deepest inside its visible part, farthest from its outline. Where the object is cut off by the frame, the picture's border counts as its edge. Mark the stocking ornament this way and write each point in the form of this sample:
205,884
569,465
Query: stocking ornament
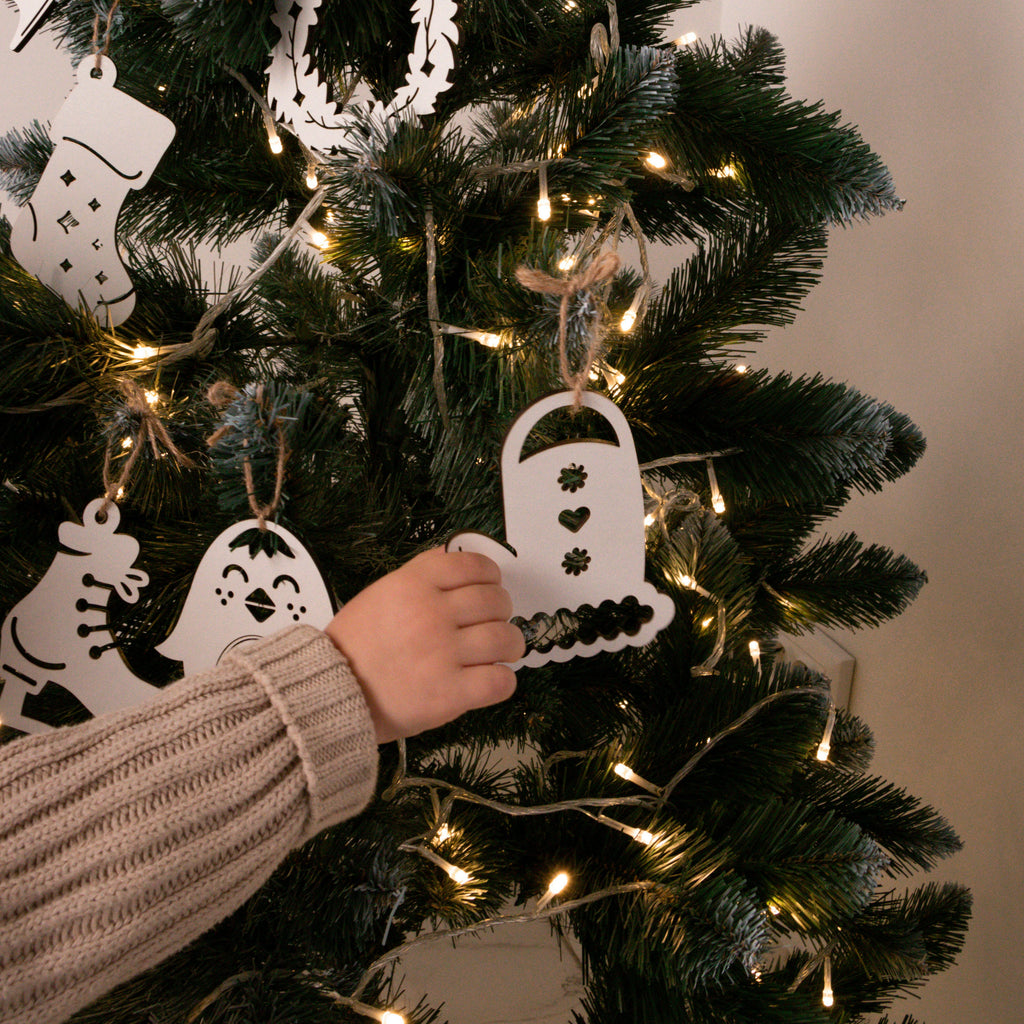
31,14
574,522
251,582
301,98
106,143
59,633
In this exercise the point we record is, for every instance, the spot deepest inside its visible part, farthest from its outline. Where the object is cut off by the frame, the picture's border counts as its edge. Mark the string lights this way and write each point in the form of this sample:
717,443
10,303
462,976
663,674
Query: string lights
455,873
717,501
543,202
825,747
641,835
555,886
827,995
486,338
625,772
629,318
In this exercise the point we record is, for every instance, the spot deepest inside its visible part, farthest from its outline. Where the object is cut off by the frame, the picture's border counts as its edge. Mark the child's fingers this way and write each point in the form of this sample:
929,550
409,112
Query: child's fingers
487,684
448,570
489,642
482,602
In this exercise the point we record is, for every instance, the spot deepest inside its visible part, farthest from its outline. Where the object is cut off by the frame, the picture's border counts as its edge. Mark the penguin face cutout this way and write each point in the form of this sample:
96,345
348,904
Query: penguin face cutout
250,584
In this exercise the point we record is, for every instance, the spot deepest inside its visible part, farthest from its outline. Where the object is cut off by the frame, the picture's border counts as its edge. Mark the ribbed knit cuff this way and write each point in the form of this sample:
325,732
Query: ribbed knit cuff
321,703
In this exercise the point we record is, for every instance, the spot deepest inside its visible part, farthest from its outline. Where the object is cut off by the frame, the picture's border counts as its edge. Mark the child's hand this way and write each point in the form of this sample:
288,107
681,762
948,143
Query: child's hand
425,641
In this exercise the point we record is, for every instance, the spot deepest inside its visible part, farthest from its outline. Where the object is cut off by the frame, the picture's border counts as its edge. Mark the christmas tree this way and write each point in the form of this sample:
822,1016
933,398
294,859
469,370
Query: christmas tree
453,210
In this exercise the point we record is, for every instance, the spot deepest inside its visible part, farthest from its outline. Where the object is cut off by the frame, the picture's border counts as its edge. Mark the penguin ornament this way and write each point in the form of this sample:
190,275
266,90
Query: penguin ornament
250,584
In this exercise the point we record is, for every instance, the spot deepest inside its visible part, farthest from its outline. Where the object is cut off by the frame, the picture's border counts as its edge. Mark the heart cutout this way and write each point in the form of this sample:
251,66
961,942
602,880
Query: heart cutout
574,518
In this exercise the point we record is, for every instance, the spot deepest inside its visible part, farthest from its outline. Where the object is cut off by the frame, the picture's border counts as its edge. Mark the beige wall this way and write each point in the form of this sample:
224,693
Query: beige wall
925,309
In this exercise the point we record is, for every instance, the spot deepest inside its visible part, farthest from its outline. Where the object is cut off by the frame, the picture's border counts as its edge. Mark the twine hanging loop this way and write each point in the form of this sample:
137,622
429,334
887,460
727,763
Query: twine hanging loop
221,395
102,50
601,269
151,430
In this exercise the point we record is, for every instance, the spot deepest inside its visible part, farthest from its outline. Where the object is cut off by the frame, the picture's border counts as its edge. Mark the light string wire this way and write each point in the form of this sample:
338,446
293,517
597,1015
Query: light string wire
434,316
496,921
582,805
563,907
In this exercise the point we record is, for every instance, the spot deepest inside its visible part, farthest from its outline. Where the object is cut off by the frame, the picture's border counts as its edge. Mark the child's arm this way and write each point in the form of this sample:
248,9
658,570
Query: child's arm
126,837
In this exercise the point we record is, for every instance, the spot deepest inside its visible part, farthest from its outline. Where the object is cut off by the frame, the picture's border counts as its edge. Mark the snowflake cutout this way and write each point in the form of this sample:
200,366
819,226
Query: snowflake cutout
576,561
572,478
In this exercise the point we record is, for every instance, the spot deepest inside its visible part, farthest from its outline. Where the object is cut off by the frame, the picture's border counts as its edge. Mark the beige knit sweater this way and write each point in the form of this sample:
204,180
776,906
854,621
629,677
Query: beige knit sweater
124,838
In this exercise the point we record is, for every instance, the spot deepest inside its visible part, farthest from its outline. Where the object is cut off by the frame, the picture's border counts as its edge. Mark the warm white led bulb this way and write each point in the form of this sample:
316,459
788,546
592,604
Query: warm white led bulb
319,239
152,398
558,883
628,320
740,367
490,340
390,1017
718,504
687,581
567,263
773,910
544,208
458,875
688,39
624,771
444,833
143,352
311,179
656,161
276,145
825,747
755,649
126,443
649,519
827,997
645,837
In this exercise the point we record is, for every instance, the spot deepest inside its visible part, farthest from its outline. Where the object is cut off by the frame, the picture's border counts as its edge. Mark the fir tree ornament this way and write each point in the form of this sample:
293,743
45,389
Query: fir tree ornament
300,97
31,15
59,633
106,143
574,528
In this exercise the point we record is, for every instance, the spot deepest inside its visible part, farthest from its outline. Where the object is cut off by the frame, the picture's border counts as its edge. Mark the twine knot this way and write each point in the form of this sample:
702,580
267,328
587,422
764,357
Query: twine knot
598,271
151,429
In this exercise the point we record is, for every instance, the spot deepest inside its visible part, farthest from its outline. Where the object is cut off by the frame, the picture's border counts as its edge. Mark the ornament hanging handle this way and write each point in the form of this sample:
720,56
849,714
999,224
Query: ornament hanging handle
512,450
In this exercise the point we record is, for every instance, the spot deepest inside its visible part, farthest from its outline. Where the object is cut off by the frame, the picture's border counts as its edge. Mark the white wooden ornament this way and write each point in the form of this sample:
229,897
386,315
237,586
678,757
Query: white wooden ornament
105,144
31,14
300,97
237,597
574,519
59,632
